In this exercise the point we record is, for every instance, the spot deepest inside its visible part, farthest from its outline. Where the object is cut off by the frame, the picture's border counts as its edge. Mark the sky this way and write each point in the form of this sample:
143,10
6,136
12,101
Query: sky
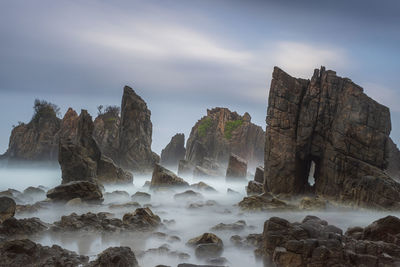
184,56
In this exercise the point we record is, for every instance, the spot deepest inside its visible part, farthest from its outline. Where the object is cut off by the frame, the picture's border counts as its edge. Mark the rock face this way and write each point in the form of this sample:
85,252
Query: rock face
7,208
135,133
328,120
80,157
314,242
162,177
259,176
237,168
223,132
85,190
393,168
38,139
174,151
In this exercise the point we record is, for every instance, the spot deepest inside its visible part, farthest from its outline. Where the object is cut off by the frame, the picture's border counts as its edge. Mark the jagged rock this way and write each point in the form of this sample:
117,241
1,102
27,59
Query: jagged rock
207,245
254,188
38,139
106,133
135,133
237,168
107,172
223,132
86,191
236,226
328,120
174,151
141,197
11,227
69,125
393,158
142,219
88,222
185,167
27,253
189,194
259,176
165,178
115,256
203,187
7,208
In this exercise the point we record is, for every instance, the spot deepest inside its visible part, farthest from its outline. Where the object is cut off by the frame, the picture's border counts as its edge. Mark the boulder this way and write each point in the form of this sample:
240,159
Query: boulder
259,176
264,202
328,122
115,256
142,219
13,228
163,177
7,208
86,191
207,245
141,197
174,151
385,229
237,168
254,188
135,133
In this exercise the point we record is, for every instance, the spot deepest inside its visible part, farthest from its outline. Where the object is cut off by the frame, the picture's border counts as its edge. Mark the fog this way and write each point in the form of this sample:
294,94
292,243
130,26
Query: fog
189,222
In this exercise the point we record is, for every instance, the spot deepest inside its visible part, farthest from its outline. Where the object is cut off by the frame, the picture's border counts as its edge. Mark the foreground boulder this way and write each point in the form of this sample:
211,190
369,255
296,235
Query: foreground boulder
86,191
237,168
174,151
27,253
115,256
7,208
163,177
328,121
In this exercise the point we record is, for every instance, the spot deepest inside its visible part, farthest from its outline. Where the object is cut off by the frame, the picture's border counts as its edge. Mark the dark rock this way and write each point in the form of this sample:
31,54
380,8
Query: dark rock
88,222
142,219
165,250
165,178
12,228
393,158
385,229
237,168
174,151
328,120
135,133
254,188
141,197
7,208
115,256
27,253
119,194
86,191
259,176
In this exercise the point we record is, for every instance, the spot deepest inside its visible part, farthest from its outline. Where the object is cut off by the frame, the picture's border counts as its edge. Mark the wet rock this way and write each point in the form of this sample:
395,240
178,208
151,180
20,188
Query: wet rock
259,176
115,256
236,226
203,187
142,219
254,188
189,194
328,121
237,168
7,208
86,191
12,227
264,202
135,133
308,203
27,253
207,245
141,197
174,151
165,178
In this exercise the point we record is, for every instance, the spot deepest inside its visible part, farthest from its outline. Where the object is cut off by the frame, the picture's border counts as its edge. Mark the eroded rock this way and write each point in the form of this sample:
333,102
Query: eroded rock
174,151
163,177
86,191
115,256
237,168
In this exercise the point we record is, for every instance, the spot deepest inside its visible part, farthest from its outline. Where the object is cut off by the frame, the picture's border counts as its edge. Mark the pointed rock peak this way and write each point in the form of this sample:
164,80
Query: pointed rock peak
71,113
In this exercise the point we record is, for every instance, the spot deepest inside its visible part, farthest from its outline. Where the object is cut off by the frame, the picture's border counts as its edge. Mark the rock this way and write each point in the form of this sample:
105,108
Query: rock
223,132
264,202
118,195
189,194
86,191
135,133
165,178
128,205
69,125
7,208
207,245
237,168
165,250
393,159
80,157
115,256
232,192
75,202
219,260
259,176
89,222
200,172
185,167
237,226
141,197
38,139
174,151
308,203
385,229
12,228
27,253
328,122
203,187
254,188
143,219
34,191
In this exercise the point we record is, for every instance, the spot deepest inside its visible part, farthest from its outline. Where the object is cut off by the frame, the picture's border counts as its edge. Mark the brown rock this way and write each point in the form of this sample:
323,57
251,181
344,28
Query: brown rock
7,208
142,219
328,120
259,176
254,188
237,168
165,178
115,256
207,245
174,151
86,191
385,229
14,228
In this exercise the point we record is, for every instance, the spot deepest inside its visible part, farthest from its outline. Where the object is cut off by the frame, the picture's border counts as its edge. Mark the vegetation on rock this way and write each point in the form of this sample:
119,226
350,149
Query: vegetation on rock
203,127
230,127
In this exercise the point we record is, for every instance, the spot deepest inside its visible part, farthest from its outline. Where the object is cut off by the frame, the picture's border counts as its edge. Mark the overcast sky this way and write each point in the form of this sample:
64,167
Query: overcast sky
185,56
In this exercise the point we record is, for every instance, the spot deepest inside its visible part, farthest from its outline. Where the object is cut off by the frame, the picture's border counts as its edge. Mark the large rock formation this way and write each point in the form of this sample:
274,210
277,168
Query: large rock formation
223,132
174,151
237,168
80,157
393,168
38,139
328,120
135,133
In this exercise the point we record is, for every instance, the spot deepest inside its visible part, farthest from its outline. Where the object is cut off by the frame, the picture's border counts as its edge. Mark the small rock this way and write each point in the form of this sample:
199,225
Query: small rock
141,197
7,208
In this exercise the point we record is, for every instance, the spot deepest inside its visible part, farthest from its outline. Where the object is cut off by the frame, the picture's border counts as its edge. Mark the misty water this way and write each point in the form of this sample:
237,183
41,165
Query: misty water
189,222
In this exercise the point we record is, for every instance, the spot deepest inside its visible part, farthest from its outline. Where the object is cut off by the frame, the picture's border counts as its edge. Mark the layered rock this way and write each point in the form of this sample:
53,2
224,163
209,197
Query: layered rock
237,168
223,132
85,190
174,151
38,139
135,133
163,177
393,168
328,120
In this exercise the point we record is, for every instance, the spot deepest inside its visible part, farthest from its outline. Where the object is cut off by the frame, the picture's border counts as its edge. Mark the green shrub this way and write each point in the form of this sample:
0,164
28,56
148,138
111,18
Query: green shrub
230,126
203,127
44,109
